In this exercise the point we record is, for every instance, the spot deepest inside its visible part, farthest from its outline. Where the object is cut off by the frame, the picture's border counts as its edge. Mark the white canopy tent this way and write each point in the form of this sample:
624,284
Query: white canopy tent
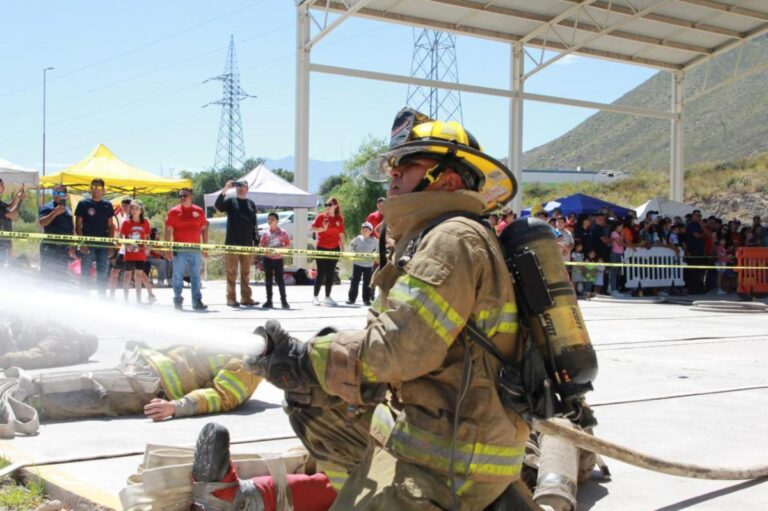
12,173
665,207
268,190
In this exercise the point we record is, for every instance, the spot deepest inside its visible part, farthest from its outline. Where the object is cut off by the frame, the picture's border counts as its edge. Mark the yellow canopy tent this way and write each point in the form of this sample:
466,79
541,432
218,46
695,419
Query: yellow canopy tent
118,176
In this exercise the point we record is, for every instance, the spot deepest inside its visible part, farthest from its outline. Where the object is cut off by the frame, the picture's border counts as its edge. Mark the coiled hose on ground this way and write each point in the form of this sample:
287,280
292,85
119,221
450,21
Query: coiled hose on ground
606,448
739,307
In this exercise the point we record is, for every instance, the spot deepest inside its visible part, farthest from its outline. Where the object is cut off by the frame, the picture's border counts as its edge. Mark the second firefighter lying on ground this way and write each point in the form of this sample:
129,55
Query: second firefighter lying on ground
161,383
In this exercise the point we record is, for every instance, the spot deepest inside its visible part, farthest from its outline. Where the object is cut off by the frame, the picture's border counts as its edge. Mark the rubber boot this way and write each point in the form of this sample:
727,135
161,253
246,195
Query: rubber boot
211,462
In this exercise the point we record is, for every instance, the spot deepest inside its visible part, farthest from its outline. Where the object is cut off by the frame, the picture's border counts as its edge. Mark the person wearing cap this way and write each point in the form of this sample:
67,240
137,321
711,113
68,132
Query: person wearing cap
385,409
55,217
376,218
136,228
364,243
507,217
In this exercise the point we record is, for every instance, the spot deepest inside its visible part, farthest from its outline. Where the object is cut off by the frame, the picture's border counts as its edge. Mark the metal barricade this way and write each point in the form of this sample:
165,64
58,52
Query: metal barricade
753,280
660,275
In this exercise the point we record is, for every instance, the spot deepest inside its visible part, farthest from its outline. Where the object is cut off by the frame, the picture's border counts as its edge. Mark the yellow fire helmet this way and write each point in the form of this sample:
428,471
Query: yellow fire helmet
416,135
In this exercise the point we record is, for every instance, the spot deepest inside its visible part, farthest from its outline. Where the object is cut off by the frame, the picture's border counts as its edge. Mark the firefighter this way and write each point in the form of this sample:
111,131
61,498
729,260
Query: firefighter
404,414
40,344
161,383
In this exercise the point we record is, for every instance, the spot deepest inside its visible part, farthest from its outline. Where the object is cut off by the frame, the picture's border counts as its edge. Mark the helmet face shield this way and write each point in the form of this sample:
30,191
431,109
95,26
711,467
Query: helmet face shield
378,169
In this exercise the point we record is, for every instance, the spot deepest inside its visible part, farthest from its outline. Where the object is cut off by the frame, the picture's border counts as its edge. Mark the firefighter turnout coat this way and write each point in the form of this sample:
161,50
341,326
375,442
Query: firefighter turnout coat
413,344
200,382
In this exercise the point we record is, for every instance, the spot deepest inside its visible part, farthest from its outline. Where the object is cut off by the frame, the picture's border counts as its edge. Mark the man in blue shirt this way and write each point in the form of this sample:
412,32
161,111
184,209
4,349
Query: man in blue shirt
56,218
93,217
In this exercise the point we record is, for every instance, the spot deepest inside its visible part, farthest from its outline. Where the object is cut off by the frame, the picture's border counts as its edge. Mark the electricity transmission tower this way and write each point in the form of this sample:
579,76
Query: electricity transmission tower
434,58
230,149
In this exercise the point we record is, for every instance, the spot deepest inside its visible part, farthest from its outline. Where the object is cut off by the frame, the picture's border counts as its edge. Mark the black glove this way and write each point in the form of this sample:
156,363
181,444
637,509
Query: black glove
285,363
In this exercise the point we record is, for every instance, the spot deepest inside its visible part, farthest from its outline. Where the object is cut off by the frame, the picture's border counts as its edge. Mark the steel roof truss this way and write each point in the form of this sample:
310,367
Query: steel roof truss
731,9
394,17
561,20
563,16
726,47
667,20
605,30
352,7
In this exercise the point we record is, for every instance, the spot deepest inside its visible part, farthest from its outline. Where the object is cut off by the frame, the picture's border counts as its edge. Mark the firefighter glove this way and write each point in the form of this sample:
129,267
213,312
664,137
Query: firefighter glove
285,361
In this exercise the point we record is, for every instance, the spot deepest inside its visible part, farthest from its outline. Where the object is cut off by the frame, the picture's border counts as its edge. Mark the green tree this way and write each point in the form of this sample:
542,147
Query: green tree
329,183
284,173
252,163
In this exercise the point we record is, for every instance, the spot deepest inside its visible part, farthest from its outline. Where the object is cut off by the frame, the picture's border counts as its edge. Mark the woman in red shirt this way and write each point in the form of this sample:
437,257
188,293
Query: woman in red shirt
329,226
136,228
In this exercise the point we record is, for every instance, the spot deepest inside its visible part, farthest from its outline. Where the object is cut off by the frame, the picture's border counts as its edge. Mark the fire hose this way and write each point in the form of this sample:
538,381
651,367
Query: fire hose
609,449
740,307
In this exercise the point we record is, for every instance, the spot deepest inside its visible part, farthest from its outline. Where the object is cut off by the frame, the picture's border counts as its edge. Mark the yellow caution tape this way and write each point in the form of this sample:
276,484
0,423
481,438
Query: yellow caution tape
684,266
68,239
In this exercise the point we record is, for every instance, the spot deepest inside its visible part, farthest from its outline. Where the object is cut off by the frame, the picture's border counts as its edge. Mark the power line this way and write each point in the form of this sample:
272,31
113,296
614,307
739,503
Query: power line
151,71
134,49
176,119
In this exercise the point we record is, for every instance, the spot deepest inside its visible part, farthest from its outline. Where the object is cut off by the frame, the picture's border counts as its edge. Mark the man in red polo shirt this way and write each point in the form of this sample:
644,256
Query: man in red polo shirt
186,223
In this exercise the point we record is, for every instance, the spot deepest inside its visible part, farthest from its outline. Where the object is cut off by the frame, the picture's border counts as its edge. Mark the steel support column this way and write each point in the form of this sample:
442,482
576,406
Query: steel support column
516,123
301,150
677,142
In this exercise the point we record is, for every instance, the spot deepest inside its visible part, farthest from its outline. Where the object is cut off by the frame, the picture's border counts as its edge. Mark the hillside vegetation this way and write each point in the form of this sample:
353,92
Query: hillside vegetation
733,189
724,125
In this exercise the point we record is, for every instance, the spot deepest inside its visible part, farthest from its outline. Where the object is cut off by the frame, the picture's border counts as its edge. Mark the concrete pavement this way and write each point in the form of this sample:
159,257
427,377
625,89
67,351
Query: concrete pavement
648,353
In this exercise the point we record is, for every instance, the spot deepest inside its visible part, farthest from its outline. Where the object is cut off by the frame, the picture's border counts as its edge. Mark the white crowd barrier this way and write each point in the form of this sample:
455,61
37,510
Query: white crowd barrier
662,276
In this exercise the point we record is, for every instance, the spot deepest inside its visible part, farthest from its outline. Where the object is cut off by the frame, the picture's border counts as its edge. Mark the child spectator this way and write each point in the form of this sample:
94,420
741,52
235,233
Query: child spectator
721,261
362,244
599,276
577,274
274,237
136,227
590,274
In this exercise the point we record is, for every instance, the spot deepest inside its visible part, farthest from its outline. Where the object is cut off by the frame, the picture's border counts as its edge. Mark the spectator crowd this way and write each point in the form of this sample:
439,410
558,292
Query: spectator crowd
591,240
603,237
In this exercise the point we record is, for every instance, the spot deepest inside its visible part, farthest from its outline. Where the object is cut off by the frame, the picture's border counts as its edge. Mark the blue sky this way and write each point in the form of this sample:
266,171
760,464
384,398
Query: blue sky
130,74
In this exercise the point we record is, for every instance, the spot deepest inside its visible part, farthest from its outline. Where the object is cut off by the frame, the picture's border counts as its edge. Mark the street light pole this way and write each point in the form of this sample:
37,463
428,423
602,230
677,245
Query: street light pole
45,72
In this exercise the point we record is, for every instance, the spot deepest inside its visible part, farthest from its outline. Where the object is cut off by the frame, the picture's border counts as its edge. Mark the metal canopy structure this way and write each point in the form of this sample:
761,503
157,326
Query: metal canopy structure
669,35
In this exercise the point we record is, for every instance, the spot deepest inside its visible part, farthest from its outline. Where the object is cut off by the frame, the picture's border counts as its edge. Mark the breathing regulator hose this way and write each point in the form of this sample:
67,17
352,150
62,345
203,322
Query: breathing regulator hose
609,449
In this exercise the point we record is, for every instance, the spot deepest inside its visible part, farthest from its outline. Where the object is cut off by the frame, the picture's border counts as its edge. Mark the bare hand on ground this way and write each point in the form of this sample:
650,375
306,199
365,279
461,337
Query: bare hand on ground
159,409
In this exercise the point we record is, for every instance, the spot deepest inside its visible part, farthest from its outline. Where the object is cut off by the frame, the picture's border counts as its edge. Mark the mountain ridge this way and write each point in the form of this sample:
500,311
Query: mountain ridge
724,125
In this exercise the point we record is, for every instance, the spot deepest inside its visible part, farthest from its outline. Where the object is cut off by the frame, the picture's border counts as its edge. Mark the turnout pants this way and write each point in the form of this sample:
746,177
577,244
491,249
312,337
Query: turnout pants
102,393
368,477
244,261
